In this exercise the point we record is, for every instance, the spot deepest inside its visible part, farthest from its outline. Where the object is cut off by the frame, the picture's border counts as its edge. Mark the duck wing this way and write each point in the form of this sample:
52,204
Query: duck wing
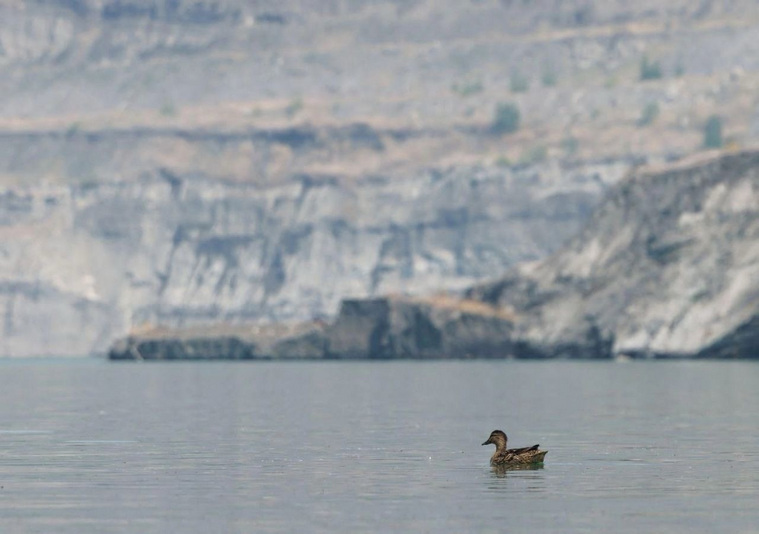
523,450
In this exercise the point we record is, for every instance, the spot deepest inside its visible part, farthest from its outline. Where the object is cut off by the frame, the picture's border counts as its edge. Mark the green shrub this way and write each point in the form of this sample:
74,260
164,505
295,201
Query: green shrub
73,128
518,83
294,107
535,154
649,70
168,110
571,145
549,77
679,69
649,114
503,162
467,88
506,119
713,132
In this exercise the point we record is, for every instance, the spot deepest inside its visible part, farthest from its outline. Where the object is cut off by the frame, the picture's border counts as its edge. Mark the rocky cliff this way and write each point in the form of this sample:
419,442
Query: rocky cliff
176,162
667,266
179,245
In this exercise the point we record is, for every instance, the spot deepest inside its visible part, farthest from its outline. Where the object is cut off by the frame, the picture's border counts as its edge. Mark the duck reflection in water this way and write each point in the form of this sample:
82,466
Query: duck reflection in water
502,470
505,458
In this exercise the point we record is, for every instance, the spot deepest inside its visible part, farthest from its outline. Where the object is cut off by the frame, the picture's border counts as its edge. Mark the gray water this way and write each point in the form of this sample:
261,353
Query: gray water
91,446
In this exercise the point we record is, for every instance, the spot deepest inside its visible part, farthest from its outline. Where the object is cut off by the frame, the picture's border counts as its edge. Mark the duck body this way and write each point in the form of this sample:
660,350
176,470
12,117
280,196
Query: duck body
504,456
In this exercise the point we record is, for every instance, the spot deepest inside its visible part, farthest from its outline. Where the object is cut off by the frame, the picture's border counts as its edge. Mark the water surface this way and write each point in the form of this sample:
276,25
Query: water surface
93,446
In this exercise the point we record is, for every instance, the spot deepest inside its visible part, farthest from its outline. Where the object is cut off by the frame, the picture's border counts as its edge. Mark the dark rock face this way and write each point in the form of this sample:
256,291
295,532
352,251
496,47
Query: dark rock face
743,342
383,328
402,328
206,348
361,330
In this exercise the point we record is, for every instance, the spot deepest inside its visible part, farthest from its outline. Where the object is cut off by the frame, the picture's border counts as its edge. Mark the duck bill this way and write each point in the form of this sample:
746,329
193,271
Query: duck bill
487,442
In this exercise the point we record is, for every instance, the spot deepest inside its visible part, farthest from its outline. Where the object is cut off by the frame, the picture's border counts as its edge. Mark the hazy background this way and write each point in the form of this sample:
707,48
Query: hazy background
179,162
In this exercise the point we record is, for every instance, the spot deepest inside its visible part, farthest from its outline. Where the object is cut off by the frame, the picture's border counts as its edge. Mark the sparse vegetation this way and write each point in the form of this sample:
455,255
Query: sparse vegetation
503,162
649,70
88,182
549,78
474,307
571,145
535,154
519,83
679,69
168,110
468,88
73,128
294,107
649,114
713,132
732,144
506,119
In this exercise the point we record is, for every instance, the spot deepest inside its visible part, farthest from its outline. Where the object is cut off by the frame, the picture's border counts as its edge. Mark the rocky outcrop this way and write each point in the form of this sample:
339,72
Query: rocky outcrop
382,328
223,342
419,328
668,266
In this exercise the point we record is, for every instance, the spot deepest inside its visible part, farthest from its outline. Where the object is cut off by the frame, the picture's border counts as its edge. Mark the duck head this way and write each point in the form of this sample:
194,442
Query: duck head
498,438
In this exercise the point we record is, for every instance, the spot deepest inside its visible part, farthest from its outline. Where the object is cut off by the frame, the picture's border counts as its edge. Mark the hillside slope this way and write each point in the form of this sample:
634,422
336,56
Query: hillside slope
667,266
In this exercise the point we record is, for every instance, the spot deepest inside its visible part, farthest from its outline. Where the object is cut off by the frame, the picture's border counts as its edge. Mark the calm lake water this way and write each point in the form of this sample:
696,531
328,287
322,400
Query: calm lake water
93,446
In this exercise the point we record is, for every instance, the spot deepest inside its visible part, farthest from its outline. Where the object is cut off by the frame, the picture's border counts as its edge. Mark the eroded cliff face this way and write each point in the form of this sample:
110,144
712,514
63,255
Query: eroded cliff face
667,266
178,162
85,263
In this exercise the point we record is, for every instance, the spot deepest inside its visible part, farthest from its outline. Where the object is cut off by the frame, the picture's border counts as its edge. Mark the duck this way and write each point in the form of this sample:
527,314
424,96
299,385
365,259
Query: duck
512,457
